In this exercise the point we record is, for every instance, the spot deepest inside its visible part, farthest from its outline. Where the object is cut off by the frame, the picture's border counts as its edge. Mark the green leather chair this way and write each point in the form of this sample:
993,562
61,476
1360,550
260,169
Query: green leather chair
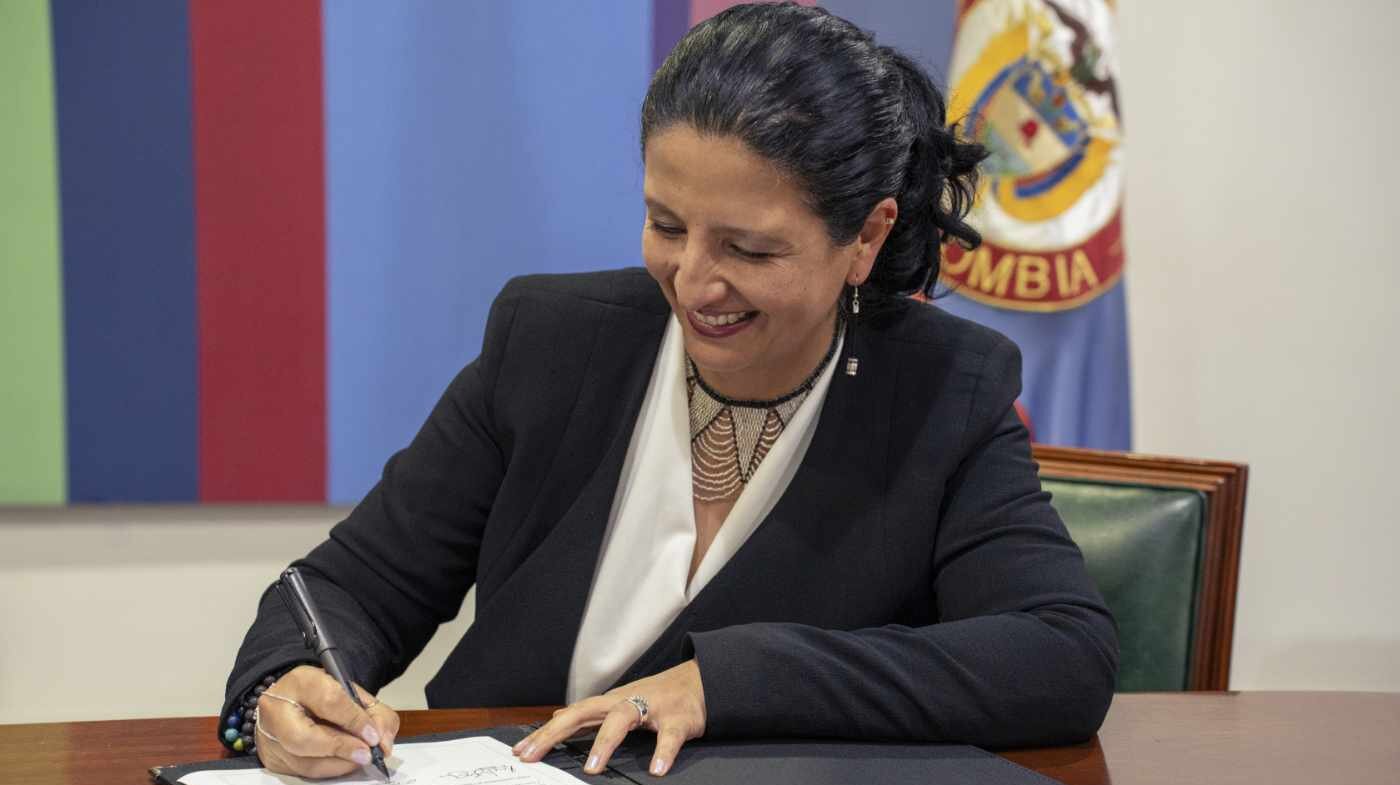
1161,538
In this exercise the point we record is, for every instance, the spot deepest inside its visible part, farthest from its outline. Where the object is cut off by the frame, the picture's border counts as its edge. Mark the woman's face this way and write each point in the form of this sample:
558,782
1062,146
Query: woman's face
747,267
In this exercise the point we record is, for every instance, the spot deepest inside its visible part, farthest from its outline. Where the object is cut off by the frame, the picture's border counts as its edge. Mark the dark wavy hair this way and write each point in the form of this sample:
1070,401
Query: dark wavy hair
852,121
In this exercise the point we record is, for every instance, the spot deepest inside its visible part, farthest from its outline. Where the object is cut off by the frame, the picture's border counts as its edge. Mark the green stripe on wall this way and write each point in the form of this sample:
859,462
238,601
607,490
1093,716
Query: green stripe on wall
32,444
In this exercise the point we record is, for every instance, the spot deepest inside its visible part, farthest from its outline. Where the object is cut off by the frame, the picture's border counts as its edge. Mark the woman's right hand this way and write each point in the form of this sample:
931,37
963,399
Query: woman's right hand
309,727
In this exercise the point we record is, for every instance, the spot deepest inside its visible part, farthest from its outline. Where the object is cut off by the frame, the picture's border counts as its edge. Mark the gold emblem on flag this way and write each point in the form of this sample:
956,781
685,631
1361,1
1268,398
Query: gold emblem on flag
1035,82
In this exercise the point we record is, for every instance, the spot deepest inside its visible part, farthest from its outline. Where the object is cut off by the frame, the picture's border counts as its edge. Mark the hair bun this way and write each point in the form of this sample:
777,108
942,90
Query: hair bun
940,181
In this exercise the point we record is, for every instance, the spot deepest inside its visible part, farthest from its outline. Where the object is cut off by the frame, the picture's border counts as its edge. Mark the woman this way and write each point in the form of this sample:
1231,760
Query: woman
754,490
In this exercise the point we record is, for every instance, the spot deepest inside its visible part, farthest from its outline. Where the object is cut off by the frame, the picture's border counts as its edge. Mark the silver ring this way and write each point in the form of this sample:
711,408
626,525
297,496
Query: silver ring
640,704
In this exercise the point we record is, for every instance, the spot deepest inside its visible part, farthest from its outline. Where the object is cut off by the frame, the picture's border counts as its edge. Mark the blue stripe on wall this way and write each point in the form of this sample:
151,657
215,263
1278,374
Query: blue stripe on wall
466,143
122,93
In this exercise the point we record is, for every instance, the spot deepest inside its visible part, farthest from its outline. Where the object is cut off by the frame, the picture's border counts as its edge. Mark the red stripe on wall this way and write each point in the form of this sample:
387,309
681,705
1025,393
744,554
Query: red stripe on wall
700,10
261,248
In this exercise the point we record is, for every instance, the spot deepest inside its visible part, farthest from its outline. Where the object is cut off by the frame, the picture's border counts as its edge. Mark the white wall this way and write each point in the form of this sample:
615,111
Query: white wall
110,612
1261,244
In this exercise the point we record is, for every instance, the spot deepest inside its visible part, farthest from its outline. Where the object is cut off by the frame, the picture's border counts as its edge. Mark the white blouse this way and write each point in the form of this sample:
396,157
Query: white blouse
639,586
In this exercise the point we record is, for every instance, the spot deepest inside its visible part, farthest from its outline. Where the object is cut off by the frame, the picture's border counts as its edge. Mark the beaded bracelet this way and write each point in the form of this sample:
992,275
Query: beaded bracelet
237,732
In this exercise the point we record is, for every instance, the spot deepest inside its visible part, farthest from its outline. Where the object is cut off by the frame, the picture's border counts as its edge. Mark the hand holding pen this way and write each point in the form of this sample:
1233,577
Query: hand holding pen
314,722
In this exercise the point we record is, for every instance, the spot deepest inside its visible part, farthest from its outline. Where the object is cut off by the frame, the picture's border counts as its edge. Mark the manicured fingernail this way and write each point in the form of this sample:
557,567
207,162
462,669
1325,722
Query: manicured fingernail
592,764
361,757
658,767
530,750
370,734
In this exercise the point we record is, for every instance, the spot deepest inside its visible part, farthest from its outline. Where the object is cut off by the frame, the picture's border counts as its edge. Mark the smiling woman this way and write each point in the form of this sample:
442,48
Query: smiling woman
678,515
745,262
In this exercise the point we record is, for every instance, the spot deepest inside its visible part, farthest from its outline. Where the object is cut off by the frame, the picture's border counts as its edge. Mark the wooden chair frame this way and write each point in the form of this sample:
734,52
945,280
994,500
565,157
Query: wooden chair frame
1224,487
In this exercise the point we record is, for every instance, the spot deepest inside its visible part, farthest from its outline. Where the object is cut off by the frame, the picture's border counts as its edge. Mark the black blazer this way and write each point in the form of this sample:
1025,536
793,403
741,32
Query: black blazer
913,582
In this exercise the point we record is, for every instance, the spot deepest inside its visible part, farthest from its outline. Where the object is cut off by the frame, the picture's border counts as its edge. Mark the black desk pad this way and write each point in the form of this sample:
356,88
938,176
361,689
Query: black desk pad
769,762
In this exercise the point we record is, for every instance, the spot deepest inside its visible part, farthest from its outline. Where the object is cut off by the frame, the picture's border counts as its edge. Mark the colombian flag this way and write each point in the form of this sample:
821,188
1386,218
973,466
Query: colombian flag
1035,81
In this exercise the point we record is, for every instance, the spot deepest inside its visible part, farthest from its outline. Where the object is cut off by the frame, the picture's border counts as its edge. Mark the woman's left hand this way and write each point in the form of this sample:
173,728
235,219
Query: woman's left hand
675,711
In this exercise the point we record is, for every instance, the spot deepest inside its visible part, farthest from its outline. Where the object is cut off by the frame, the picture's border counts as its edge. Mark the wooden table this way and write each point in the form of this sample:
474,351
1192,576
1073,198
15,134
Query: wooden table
1269,738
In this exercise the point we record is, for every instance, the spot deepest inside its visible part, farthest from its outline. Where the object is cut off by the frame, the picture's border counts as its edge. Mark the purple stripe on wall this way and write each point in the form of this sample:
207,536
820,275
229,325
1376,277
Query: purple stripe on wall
669,21
919,28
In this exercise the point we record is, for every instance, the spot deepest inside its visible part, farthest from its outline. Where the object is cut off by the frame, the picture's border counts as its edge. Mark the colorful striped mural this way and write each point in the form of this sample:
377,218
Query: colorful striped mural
245,246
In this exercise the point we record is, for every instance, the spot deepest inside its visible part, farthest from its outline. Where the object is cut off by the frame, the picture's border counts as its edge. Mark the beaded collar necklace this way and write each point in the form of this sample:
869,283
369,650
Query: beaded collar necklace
730,437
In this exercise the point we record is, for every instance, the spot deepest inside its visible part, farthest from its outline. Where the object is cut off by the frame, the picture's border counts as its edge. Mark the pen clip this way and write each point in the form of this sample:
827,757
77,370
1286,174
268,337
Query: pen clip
292,589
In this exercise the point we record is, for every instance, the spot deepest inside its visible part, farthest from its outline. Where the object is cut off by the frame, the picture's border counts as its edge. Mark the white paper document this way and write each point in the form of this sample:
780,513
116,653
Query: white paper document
479,760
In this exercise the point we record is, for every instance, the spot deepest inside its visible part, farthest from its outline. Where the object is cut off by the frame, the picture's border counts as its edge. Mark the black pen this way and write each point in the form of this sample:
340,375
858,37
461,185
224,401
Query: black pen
292,589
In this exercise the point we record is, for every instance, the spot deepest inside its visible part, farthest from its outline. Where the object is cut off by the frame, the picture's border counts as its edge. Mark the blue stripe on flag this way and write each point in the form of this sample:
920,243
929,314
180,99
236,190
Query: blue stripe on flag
1074,367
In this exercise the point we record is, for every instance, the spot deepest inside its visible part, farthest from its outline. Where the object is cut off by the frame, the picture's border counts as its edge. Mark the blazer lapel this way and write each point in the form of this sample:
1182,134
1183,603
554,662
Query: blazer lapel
540,606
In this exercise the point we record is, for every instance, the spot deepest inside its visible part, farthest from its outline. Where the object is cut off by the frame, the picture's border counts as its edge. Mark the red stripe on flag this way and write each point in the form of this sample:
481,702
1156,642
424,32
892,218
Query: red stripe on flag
260,246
